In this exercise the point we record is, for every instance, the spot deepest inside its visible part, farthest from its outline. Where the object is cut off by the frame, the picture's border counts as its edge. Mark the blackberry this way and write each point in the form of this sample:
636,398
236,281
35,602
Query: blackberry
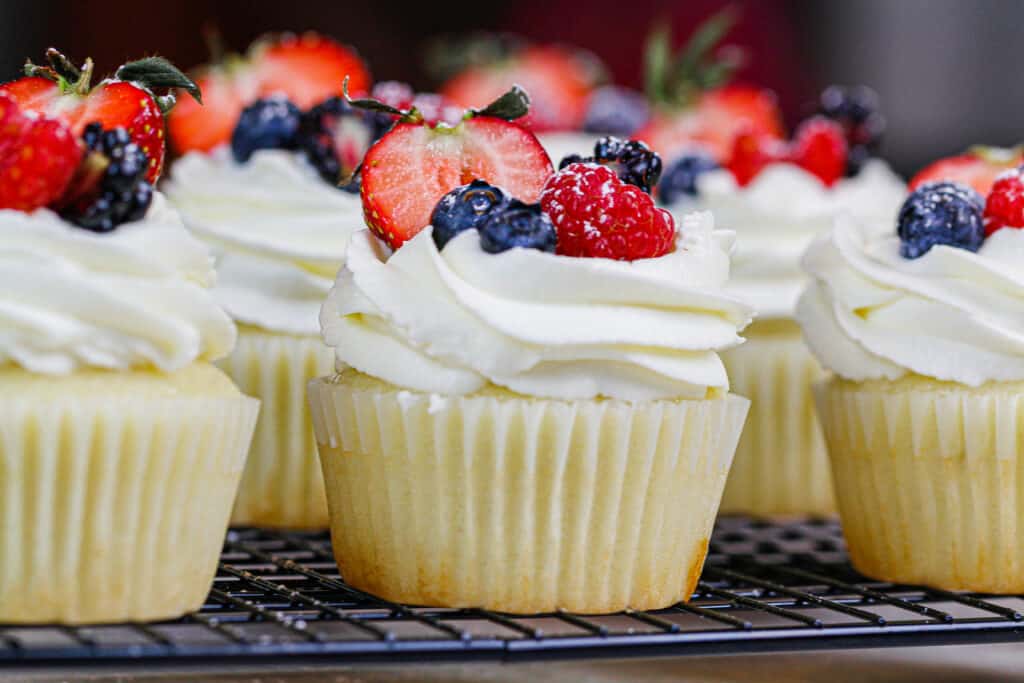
334,138
465,208
121,194
516,224
270,123
680,178
634,162
616,111
941,213
856,110
574,159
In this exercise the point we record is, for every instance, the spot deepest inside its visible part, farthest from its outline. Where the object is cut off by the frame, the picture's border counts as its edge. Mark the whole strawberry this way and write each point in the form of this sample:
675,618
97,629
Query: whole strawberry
978,167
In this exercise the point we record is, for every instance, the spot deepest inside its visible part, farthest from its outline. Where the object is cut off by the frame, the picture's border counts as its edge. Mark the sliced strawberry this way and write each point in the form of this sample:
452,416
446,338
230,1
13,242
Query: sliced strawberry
751,153
819,146
307,69
978,168
409,169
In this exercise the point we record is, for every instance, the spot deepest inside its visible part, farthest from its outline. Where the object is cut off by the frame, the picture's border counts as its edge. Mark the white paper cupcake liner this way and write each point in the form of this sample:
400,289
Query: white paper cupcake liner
517,504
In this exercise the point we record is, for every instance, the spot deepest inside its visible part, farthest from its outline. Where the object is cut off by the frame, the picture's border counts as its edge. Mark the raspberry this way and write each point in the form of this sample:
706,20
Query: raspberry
1005,204
819,147
598,215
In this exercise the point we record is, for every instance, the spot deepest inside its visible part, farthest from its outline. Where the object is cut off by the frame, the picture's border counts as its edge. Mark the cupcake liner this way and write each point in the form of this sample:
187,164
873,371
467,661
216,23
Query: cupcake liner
781,466
930,480
282,485
518,504
114,507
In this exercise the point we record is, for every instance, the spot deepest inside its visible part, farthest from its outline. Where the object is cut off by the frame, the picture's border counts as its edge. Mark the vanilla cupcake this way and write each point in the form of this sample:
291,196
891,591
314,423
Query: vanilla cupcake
924,336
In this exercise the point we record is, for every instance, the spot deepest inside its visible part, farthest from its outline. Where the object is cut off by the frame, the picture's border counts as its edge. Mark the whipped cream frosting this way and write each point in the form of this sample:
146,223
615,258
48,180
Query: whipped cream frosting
456,320
278,231
137,297
950,315
779,213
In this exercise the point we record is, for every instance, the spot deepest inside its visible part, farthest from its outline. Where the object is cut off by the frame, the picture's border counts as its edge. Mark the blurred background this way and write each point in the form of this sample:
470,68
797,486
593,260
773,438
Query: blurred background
946,70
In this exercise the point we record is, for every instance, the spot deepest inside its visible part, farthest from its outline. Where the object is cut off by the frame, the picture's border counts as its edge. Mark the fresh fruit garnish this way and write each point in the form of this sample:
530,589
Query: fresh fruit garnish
940,213
432,107
38,157
63,90
818,147
855,108
270,123
751,153
596,214
406,172
119,192
306,69
614,110
1004,207
978,167
559,80
335,137
516,224
632,160
680,178
464,208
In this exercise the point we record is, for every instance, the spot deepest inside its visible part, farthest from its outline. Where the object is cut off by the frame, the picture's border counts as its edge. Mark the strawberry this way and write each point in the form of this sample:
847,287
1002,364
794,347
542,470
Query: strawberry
978,167
63,91
307,69
751,153
559,80
38,157
1004,207
819,146
407,171
596,214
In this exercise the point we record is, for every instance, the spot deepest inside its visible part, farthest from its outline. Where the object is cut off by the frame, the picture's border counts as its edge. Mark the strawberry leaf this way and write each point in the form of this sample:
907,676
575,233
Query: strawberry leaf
156,72
369,104
512,105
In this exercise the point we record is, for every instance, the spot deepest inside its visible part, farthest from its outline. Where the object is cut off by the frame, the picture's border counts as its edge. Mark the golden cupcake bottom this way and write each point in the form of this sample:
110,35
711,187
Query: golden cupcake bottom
929,478
282,486
517,504
781,466
115,490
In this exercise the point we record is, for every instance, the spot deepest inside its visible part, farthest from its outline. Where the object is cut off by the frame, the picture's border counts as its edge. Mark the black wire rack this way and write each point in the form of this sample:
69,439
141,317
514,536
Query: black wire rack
765,587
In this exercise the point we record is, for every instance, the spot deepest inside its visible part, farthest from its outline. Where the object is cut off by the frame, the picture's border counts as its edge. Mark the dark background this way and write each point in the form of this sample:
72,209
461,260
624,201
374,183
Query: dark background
948,71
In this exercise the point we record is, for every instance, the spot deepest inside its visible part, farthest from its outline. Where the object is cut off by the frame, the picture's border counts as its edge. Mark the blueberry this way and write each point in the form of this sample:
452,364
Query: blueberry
616,111
856,110
271,123
464,208
517,225
680,178
941,213
634,162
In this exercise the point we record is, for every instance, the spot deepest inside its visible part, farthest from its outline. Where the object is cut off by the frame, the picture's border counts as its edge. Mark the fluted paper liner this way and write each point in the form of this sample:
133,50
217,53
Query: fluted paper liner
114,509
781,465
930,480
283,485
517,504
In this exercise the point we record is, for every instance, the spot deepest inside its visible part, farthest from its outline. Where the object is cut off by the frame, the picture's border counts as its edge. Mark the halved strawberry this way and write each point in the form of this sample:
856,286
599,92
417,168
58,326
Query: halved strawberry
127,101
407,171
751,153
819,146
978,167
559,80
307,69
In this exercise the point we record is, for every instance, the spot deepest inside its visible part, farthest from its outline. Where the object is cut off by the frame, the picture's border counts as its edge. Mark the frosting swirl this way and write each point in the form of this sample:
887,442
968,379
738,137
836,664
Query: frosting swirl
279,233
777,216
950,315
136,297
453,321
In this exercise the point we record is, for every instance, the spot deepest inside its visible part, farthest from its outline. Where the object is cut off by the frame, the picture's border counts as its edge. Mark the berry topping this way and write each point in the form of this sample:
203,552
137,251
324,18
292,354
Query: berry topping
334,137
516,224
615,110
38,158
63,90
940,213
680,178
1004,207
120,192
819,147
751,153
465,208
432,107
407,171
856,110
271,123
633,160
306,69
979,168
597,214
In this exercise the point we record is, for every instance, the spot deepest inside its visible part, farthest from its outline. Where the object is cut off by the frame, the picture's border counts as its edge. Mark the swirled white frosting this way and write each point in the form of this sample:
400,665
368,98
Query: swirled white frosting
279,233
454,321
777,216
137,297
950,315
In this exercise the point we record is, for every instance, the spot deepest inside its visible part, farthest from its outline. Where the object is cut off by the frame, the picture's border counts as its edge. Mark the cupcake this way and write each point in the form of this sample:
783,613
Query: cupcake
922,331
264,195
529,411
121,446
778,196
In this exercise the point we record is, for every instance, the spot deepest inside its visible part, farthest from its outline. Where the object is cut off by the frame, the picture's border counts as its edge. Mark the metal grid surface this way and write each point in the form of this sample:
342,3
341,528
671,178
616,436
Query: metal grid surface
764,587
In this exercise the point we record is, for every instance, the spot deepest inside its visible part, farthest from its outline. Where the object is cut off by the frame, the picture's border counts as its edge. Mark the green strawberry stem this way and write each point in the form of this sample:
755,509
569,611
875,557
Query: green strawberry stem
512,105
70,78
412,115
